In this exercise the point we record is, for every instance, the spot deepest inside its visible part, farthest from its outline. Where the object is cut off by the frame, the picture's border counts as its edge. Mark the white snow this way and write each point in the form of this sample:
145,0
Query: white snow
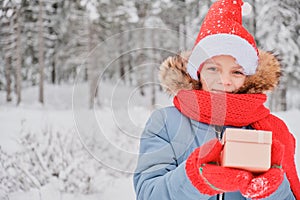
114,129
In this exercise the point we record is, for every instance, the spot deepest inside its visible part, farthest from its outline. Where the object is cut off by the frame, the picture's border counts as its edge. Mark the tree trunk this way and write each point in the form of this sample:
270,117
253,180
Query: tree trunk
92,69
93,92
8,78
153,98
278,100
182,29
141,57
122,41
140,76
153,71
142,92
41,53
53,72
122,68
254,17
282,91
129,60
130,72
19,60
86,76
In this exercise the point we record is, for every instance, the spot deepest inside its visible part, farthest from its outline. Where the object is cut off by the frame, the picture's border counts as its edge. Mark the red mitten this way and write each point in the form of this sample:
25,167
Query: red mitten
213,179
268,182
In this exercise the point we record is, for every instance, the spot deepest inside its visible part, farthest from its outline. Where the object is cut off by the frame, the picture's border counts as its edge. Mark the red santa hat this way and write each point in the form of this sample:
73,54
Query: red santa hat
222,33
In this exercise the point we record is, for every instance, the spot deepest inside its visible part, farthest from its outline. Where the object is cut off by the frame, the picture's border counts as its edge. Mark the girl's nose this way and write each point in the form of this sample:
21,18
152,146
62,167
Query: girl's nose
225,79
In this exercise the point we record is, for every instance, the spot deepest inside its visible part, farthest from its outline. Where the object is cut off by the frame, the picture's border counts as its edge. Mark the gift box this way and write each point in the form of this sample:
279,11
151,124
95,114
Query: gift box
247,149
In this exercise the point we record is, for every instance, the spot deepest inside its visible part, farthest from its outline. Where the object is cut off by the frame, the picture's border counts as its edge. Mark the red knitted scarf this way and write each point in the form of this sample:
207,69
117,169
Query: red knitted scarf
240,110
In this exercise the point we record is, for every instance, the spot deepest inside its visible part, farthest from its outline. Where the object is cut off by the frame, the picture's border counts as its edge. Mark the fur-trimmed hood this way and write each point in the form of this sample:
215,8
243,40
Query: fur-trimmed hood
173,75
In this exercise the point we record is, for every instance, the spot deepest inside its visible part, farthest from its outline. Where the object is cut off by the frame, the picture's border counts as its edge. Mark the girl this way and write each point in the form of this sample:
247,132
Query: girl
220,84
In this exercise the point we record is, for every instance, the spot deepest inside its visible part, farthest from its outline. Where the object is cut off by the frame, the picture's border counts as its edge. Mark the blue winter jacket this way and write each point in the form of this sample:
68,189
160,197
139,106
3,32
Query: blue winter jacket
168,139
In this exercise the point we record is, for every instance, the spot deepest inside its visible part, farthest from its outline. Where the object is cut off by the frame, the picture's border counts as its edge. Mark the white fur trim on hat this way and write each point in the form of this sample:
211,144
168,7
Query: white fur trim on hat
223,44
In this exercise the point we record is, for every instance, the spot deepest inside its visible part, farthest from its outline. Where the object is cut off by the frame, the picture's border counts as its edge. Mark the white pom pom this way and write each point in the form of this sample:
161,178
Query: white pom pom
246,9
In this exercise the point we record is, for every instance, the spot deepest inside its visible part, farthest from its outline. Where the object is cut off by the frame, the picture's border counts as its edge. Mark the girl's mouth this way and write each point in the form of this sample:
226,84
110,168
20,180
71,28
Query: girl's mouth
220,91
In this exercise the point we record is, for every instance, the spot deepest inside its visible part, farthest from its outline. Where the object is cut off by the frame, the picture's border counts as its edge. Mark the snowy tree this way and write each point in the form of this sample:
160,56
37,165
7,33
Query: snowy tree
53,20
11,34
276,22
73,47
69,33
46,156
30,42
5,38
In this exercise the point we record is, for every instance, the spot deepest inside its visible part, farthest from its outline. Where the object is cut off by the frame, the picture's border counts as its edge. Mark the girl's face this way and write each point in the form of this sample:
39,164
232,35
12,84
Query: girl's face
221,74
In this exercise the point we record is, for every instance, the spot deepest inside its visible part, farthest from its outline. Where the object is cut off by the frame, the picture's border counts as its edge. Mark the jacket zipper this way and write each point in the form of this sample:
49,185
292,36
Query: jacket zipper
218,131
221,196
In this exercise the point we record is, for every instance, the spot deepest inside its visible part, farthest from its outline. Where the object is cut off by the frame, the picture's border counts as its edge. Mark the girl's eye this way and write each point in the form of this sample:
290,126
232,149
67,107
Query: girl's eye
239,72
212,68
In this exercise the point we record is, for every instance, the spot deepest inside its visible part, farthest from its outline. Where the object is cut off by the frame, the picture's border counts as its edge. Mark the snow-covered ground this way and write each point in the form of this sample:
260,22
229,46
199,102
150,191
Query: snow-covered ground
114,129
109,136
